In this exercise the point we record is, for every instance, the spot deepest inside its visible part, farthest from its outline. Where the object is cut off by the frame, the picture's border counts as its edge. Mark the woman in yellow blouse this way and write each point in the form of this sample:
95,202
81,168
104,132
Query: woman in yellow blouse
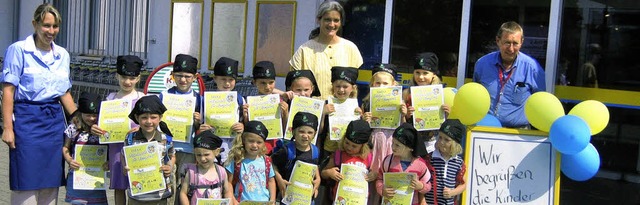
326,49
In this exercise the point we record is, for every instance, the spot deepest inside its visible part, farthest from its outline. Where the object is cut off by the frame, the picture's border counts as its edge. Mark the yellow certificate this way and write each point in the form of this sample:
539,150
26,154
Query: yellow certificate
353,189
113,118
300,191
385,106
256,203
266,109
400,181
303,104
90,175
427,100
179,115
144,164
340,119
213,201
221,112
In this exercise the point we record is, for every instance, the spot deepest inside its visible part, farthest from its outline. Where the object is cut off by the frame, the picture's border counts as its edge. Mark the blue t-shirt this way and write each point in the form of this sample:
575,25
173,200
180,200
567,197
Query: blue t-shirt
183,146
526,78
252,177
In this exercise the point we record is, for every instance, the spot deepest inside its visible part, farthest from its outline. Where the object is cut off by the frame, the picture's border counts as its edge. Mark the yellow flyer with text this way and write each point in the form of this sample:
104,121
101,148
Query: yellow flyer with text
400,181
300,191
221,112
266,109
90,175
114,119
256,203
385,106
427,101
353,189
144,165
179,115
303,104
340,119
201,201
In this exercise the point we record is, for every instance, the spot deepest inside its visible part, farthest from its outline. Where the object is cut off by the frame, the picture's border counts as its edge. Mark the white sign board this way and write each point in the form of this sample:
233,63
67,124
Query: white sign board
507,166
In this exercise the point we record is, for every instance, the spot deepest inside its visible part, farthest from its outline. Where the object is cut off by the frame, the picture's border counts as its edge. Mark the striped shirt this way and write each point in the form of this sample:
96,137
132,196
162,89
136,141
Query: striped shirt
319,58
448,173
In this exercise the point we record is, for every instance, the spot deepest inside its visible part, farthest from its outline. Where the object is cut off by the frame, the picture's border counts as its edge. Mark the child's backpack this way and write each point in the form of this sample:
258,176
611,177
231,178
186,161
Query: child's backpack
291,152
192,171
236,176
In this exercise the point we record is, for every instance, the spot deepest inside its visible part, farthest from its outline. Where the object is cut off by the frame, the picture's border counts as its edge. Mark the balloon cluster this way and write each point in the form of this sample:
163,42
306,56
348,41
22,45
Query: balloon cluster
570,134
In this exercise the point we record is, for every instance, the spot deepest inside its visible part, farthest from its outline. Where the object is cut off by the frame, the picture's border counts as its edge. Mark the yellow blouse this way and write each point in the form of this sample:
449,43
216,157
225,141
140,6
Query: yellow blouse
319,58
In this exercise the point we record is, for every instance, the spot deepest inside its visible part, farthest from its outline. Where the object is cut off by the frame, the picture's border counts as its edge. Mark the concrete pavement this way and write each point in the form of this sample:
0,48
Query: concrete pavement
5,193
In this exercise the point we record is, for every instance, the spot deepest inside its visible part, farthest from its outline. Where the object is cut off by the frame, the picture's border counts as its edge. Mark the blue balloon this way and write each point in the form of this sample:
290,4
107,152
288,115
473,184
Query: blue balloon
569,134
581,166
490,121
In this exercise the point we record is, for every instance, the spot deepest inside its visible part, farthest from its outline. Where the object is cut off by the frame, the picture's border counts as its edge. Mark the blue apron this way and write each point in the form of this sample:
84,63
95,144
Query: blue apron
37,162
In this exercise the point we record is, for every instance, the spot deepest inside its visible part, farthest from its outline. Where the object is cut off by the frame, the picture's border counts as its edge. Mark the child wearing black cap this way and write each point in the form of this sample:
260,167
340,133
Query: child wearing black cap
147,113
343,87
226,72
300,83
304,130
247,159
425,72
408,150
205,179
445,160
128,70
78,133
185,72
352,149
264,78
382,75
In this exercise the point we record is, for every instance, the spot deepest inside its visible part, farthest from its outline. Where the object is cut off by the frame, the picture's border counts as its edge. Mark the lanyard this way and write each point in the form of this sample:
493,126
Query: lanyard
503,81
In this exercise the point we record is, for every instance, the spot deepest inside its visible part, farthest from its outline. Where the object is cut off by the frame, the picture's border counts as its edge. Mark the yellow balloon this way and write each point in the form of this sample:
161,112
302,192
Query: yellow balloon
471,103
594,113
542,109
449,95
453,114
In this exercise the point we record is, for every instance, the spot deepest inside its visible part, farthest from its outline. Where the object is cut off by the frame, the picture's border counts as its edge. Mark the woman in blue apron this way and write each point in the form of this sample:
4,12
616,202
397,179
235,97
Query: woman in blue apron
35,85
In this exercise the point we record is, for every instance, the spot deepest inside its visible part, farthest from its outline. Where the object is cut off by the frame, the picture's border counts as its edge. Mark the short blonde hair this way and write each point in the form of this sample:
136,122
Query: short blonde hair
383,73
364,151
354,93
434,81
42,10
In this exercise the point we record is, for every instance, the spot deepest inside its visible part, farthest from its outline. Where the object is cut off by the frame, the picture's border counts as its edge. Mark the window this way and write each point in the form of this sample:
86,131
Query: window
104,28
487,17
599,44
186,29
364,26
426,26
274,34
228,32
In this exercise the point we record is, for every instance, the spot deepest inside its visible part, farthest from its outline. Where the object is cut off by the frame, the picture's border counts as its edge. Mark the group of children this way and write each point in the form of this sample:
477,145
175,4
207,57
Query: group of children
251,168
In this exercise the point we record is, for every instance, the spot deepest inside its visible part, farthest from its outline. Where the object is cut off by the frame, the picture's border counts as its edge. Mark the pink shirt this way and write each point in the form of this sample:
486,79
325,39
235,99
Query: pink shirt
208,193
417,166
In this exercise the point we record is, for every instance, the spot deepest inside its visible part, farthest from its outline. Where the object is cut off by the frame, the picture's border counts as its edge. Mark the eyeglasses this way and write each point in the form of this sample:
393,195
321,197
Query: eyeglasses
182,76
509,44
